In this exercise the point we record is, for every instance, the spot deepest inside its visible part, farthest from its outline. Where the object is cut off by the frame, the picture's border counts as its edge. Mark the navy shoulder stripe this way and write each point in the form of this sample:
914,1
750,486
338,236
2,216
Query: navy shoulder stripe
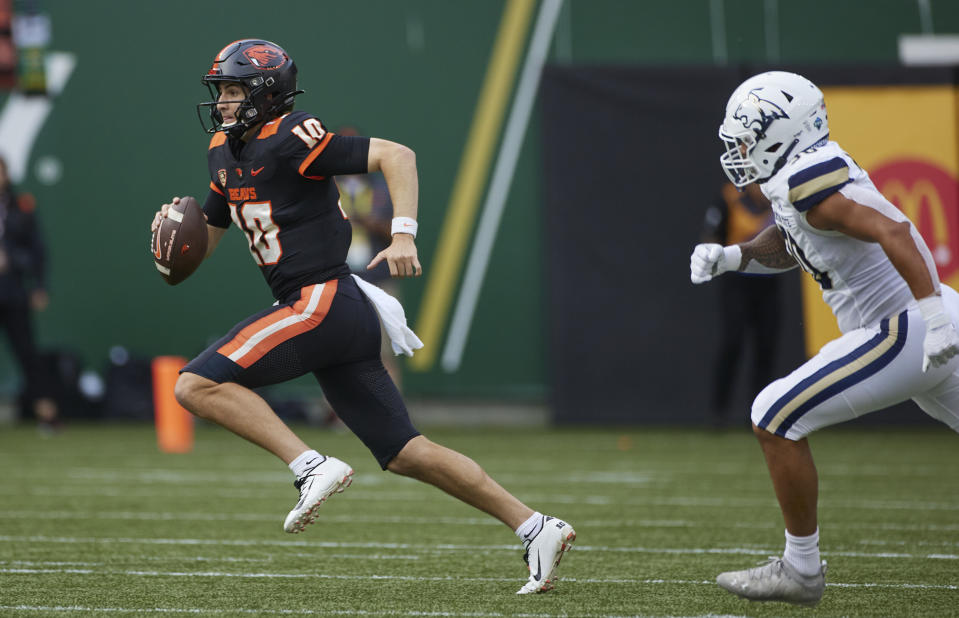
812,185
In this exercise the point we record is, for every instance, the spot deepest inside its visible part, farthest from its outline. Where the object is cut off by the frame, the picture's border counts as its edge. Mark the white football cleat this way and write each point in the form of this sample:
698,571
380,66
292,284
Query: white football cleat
775,580
319,483
543,553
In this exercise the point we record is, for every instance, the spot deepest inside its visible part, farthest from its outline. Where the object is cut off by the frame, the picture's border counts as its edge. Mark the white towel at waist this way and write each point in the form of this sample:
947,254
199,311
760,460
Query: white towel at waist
391,313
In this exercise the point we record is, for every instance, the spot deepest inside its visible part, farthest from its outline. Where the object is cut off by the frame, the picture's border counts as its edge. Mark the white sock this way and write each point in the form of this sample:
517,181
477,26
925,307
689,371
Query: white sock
802,553
531,527
307,460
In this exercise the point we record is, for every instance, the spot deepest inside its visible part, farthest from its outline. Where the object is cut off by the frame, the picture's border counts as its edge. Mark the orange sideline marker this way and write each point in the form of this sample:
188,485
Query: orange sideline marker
174,425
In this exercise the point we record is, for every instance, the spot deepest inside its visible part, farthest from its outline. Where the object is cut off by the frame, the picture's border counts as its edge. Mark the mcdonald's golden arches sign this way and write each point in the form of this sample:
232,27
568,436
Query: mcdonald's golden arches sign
906,137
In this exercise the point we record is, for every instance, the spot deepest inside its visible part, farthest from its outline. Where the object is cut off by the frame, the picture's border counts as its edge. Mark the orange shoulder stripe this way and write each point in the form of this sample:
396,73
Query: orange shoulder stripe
217,189
269,129
218,139
312,157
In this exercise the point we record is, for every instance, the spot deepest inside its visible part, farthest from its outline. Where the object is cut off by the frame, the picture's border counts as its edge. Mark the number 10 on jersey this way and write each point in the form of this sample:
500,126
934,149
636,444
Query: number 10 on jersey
256,221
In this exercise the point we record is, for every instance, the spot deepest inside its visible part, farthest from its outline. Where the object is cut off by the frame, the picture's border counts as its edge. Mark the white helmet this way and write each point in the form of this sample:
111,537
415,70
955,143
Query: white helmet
769,117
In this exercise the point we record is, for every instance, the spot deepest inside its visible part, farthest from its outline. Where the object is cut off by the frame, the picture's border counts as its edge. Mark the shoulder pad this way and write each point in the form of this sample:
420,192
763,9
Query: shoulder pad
811,185
286,122
218,139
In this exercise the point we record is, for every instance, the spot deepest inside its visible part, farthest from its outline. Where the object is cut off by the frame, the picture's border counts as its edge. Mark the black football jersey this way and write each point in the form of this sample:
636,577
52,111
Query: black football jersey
279,190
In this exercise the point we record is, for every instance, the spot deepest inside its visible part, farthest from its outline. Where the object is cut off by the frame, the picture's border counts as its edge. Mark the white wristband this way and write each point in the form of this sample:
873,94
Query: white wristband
404,225
732,257
933,311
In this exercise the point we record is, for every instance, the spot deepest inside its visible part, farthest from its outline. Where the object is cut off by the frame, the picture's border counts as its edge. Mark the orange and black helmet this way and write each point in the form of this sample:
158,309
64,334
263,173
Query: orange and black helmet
265,71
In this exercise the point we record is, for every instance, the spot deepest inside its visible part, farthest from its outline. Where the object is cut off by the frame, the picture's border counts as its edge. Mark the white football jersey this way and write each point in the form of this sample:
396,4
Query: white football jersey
858,281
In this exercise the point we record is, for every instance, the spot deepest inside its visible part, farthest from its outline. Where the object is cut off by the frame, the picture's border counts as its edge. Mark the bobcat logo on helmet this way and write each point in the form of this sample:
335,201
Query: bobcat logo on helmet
265,57
757,113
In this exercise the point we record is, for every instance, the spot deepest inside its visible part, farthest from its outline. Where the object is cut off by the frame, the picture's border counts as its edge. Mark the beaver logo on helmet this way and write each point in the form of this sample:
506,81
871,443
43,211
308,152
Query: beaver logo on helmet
267,74
265,57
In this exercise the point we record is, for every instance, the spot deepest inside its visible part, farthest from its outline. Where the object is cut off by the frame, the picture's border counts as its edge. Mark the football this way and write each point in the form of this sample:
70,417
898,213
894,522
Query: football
179,243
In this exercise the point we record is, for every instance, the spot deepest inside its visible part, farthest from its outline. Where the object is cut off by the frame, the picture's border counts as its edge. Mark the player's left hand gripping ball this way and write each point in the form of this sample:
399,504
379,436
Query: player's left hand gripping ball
179,242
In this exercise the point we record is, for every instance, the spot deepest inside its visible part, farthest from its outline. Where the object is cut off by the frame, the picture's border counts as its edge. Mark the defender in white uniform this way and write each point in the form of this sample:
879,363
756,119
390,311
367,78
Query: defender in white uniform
898,321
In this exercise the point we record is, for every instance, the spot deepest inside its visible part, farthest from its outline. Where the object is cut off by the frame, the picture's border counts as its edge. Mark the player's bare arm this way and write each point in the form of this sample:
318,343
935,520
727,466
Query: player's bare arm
767,249
765,254
841,214
214,234
398,164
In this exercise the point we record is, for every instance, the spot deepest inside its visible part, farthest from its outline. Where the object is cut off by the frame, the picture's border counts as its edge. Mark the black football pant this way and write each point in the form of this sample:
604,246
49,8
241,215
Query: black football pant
332,331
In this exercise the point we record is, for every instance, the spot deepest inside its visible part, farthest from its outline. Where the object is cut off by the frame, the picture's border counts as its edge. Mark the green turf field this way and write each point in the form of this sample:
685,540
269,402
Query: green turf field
96,522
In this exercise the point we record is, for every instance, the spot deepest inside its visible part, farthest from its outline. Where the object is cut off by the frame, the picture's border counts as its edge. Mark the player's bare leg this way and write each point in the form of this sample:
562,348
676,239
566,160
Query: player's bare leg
460,477
246,414
797,577
545,538
794,478
240,410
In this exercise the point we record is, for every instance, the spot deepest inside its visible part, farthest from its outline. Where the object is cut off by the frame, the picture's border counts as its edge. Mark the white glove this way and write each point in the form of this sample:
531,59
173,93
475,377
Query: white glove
710,260
942,340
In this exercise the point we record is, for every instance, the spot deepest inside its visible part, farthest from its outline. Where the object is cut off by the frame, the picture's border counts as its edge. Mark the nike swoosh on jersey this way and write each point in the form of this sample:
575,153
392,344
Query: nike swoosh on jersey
256,171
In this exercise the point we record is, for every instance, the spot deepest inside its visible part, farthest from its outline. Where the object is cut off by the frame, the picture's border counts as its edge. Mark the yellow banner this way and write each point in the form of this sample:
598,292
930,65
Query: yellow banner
906,138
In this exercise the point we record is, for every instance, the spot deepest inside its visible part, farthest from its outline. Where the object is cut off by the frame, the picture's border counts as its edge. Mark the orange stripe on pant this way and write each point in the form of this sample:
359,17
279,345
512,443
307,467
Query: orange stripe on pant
257,339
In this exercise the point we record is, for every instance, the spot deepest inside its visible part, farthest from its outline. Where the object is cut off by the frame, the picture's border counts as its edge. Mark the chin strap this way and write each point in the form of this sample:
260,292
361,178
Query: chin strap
236,131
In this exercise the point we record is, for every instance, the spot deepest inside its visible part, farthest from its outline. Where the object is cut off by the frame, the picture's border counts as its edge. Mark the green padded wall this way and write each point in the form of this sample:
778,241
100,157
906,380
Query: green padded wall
125,136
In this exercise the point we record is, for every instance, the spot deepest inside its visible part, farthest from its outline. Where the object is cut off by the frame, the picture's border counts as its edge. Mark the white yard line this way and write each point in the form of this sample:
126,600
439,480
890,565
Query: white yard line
456,521
358,492
641,475
45,564
95,515
69,609
417,578
749,551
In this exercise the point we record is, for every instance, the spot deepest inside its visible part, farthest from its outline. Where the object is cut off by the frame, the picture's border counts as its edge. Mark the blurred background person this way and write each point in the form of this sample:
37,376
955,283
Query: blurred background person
749,305
23,290
365,199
